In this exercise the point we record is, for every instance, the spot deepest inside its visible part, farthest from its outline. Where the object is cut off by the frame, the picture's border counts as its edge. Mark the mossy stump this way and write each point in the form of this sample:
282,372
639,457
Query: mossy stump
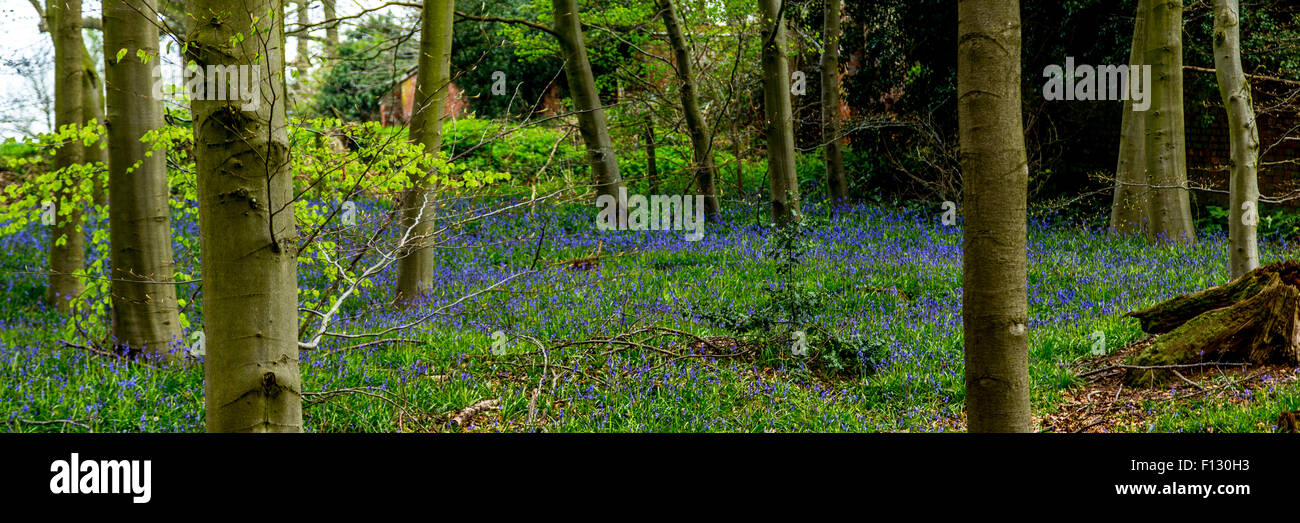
1254,319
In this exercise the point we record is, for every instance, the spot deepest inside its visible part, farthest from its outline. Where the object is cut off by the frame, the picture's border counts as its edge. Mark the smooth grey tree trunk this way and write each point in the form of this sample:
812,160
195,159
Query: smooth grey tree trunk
67,238
778,116
1128,209
92,108
697,128
415,268
586,99
144,300
247,233
1166,149
331,31
996,180
1243,137
302,62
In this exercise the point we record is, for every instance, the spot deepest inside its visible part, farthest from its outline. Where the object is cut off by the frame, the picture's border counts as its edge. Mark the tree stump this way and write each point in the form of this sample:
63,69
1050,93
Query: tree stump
1253,319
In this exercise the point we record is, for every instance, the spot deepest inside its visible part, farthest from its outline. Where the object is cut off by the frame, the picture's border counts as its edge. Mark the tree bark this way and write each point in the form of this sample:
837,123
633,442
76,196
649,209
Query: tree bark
67,238
996,174
302,63
651,162
778,116
1128,210
1243,136
1253,319
247,232
836,185
145,317
1172,313
415,269
697,128
92,108
331,31
1166,151
586,99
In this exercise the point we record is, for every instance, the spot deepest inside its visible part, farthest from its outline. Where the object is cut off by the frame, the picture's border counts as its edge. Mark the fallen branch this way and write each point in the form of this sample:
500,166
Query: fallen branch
473,410
1160,367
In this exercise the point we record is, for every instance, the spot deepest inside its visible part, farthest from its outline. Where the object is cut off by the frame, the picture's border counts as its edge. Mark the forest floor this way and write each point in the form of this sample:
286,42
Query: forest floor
1210,399
654,333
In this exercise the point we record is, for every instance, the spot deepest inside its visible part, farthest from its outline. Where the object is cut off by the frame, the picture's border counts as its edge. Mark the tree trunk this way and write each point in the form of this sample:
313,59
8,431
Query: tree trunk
92,108
1166,150
586,99
144,300
651,163
415,269
736,139
247,232
67,240
1128,210
836,185
996,174
1253,319
331,31
302,63
1242,135
778,116
697,128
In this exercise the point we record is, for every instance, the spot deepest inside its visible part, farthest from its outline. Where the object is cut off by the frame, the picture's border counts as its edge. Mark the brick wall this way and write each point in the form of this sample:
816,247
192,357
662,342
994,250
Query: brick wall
1208,151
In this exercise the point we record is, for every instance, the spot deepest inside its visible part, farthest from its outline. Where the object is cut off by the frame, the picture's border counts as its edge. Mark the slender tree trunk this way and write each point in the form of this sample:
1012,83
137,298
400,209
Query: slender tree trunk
415,269
92,108
651,163
735,144
67,239
1166,150
247,232
144,300
996,175
586,99
1243,136
697,128
331,31
302,64
835,181
778,116
1128,210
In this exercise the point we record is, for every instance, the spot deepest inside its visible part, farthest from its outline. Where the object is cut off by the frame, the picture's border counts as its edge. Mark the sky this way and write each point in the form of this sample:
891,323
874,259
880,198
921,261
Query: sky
20,36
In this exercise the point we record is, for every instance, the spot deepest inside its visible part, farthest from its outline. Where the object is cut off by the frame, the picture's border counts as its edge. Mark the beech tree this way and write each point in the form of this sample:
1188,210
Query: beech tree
697,128
1128,210
415,269
302,62
778,116
1243,137
586,99
331,30
92,110
996,180
1165,146
247,233
836,185
67,239
144,299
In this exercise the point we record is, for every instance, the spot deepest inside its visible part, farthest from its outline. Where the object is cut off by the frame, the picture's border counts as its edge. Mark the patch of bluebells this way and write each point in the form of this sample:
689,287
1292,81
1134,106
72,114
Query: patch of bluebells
893,273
